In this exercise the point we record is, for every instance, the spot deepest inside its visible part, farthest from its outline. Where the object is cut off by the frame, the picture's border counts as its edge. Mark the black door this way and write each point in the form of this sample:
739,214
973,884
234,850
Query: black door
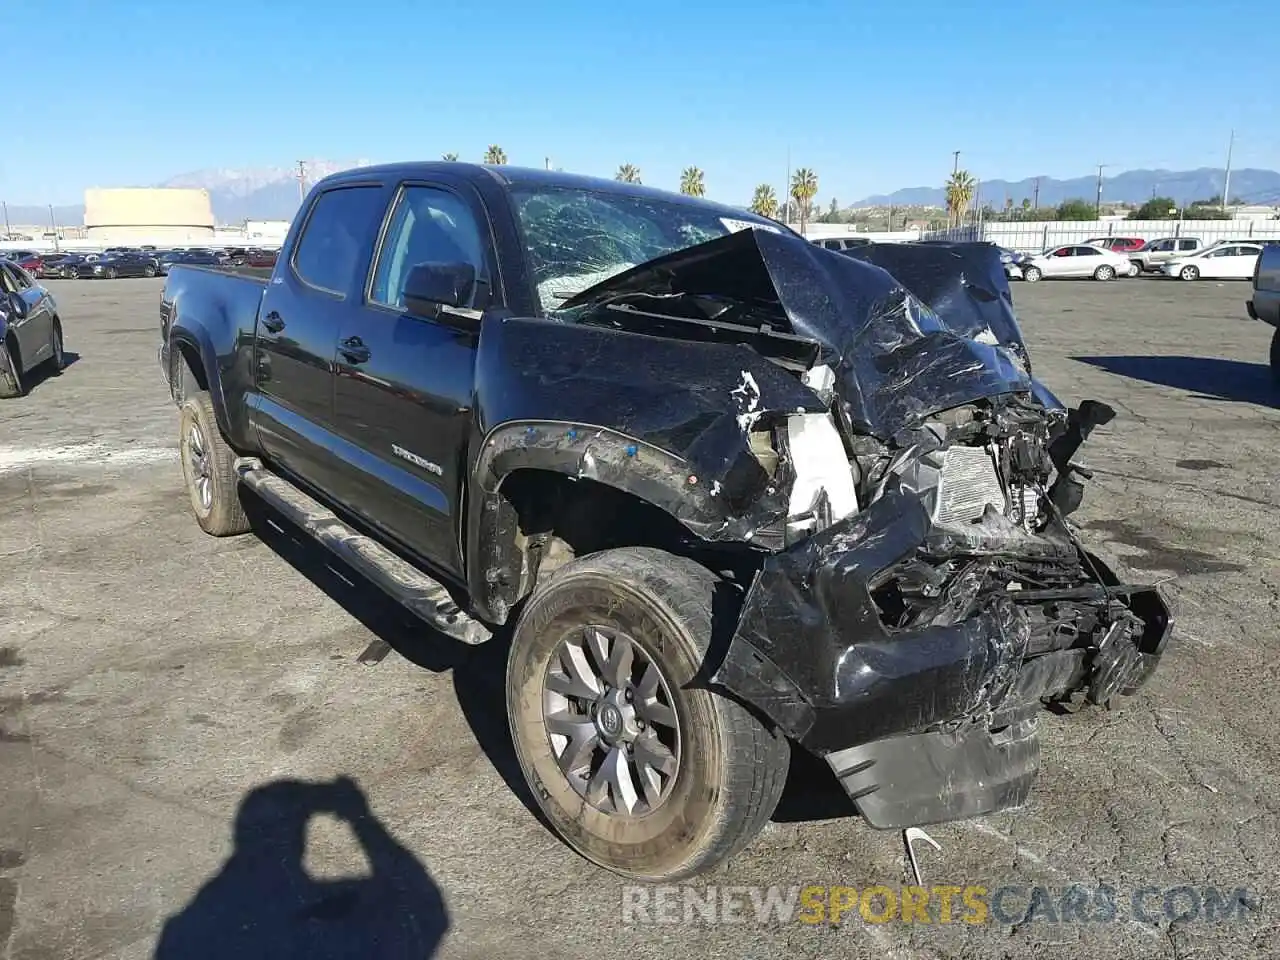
298,323
404,384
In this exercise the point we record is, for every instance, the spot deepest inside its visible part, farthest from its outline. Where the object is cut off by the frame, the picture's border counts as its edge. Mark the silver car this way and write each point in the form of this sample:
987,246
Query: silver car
1155,253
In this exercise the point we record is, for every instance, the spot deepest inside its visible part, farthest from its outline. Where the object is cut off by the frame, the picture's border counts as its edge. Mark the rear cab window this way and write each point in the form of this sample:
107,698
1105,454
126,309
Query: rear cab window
329,250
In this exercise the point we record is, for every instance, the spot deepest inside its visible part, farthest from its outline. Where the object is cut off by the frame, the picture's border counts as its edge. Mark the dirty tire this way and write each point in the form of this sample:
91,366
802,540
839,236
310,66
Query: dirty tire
731,768
148,272
215,503
1105,272
1135,268
11,384
1189,273
1275,357
1031,274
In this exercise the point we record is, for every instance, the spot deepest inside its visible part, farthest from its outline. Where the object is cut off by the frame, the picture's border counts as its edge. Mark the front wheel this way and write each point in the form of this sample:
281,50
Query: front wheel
1031,274
1189,273
208,465
112,273
635,763
148,272
1105,272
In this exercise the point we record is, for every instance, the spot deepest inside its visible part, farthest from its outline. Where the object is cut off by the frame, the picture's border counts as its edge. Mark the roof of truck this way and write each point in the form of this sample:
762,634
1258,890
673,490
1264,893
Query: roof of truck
519,176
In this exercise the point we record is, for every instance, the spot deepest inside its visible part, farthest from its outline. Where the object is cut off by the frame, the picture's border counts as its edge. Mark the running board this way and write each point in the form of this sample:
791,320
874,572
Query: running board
419,593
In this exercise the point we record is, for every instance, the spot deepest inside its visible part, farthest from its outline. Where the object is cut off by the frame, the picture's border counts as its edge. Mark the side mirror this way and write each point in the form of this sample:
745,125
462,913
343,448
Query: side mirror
431,286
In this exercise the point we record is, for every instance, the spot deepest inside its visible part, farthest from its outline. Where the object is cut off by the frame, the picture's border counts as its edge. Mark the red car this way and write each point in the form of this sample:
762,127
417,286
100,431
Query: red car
1118,244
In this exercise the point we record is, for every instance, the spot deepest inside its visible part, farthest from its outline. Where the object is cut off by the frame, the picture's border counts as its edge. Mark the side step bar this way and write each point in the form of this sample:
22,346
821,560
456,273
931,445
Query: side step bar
419,593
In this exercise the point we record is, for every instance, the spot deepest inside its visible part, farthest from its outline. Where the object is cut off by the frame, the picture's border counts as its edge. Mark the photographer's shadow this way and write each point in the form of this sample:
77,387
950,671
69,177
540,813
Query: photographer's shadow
263,903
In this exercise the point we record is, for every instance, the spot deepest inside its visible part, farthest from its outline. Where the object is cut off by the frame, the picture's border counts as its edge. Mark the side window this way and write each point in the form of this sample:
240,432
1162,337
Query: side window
1163,245
21,279
428,225
1187,244
1088,252
8,283
329,248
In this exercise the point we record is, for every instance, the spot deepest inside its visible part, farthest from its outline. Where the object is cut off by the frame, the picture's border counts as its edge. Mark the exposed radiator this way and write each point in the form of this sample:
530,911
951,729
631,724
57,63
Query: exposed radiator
968,483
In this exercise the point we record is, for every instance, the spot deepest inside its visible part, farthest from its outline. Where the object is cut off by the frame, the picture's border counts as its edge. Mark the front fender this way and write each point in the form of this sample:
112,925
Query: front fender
666,420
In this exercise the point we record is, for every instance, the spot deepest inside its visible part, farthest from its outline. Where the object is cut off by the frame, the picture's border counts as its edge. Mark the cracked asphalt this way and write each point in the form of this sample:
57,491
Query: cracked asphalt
176,711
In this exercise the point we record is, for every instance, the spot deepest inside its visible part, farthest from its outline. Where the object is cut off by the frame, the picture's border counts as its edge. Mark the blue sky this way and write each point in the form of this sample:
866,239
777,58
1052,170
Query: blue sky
871,94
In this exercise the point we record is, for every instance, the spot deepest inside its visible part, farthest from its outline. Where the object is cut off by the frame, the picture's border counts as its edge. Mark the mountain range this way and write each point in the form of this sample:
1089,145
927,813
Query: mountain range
271,193
1132,186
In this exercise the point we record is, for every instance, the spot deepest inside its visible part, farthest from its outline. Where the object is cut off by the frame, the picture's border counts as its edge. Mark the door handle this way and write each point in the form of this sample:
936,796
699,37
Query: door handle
273,322
354,351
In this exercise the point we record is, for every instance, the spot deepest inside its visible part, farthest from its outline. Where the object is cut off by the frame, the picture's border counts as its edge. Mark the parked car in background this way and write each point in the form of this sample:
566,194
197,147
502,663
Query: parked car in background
52,265
261,258
29,261
1076,260
30,331
1118,244
1264,304
841,243
17,255
1226,262
111,266
1153,254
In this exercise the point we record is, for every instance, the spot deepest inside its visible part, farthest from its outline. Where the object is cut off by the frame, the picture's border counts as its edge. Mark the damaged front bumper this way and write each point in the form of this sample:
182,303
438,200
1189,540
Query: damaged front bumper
934,722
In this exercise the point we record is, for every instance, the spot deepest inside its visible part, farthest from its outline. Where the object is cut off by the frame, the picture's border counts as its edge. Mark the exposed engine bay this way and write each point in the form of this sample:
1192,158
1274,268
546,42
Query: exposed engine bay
924,594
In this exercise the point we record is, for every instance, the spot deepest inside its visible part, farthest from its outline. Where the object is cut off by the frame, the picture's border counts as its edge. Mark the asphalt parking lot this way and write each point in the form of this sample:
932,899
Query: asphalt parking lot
175,711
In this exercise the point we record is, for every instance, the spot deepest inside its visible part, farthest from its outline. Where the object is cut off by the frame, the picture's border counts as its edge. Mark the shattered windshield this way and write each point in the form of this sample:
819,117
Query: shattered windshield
577,238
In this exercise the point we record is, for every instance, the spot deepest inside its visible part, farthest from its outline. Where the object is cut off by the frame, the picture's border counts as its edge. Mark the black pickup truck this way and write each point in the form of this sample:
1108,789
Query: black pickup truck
722,490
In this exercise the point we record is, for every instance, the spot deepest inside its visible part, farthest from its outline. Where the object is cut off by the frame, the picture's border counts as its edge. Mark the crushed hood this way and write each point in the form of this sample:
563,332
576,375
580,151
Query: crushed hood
908,329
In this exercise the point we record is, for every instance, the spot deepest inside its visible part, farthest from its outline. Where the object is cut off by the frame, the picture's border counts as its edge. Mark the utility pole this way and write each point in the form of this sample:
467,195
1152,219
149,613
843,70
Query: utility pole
7,230
302,180
547,161
1097,206
1035,194
52,223
1226,186
955,162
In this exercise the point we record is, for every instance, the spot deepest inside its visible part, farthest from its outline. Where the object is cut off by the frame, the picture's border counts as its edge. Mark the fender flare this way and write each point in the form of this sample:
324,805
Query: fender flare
496,568
197,338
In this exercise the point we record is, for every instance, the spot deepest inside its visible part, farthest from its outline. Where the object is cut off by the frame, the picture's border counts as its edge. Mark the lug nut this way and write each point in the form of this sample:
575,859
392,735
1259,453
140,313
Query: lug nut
629,696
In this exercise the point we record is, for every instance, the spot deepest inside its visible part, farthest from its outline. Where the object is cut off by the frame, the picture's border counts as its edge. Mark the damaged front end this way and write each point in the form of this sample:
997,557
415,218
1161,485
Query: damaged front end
924,595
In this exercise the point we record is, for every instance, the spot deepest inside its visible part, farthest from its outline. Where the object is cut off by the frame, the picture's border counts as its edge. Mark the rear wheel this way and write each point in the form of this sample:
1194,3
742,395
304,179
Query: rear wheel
148,271
1031,274
1189,273
208,464
1105,272
635,763
57,361
11,384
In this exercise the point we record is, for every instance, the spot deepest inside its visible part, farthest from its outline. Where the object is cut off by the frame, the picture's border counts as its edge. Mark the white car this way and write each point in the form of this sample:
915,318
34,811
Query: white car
1077,260
1227,262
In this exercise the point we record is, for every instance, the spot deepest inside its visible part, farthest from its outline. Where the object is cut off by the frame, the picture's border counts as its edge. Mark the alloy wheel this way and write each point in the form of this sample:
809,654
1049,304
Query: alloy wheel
199,468
611,721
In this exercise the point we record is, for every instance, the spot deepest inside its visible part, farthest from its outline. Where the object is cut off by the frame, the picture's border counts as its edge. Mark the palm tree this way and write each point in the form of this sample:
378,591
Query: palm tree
691,182
960,189
765,202
495,155
804,187
451,157
628,173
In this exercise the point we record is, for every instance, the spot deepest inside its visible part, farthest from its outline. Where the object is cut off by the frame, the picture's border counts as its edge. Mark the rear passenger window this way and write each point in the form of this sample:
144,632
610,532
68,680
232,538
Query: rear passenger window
427,226
328,251
1186,244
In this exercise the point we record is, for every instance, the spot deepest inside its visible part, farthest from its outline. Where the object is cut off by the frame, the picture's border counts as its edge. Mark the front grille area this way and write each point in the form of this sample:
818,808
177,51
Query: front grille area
968,483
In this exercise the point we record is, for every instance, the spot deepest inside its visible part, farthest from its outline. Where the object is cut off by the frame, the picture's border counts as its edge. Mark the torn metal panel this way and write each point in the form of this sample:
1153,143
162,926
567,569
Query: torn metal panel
896,359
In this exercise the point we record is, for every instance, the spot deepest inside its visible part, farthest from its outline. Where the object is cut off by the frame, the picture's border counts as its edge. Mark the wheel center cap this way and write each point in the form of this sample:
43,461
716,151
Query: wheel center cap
610,720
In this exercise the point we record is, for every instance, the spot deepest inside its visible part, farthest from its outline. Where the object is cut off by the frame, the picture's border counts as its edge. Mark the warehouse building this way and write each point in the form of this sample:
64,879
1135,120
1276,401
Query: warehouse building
148,215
